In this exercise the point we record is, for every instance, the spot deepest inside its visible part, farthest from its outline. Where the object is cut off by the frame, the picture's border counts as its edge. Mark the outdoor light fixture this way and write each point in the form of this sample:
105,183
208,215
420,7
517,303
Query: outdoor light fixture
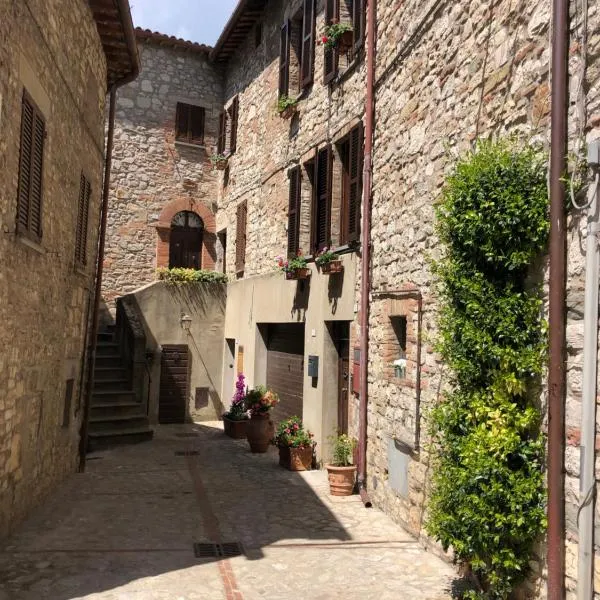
186,322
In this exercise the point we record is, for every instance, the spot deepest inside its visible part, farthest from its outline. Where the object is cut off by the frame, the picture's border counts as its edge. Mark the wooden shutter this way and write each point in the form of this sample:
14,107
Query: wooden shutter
31,163
222,139
284,59
322,206
181,122
358,22
235,109
308,43
196,125
331,54
295,176
240,238
355,163
82,221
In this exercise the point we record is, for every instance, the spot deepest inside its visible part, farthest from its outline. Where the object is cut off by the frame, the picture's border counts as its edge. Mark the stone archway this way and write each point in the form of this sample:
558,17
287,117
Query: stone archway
163,228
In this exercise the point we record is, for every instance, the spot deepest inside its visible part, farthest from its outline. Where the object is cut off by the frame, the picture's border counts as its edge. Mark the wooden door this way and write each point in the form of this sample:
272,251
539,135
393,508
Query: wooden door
342,341
174,384
185,248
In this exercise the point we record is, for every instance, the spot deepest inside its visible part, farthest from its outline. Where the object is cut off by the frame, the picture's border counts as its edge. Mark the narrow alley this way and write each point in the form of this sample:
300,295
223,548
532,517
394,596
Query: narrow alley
127,530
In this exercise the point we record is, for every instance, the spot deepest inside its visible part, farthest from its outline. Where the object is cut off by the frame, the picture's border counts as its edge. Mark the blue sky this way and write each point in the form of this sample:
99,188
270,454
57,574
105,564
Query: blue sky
196,20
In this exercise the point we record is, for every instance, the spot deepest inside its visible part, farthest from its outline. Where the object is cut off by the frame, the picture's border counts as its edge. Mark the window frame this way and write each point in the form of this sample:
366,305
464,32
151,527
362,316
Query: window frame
188,136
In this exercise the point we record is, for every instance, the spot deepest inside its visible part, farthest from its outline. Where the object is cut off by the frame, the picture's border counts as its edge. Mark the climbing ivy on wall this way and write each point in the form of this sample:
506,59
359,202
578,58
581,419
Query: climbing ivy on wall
488,498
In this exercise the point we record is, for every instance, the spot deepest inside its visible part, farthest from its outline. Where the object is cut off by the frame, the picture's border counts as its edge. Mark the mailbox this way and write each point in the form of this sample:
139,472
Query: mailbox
356,371
313,366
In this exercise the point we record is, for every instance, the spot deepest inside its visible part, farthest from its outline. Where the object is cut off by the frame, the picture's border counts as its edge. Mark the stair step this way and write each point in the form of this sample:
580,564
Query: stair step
119,423
110,410
102,397
103,373
109,360
105,336
111,384
100,440
107,349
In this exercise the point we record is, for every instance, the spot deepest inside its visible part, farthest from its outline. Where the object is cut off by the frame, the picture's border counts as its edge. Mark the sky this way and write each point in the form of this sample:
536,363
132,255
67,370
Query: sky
196,20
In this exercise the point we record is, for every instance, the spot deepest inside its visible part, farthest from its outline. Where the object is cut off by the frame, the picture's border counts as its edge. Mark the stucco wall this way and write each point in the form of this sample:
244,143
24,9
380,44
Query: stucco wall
43,297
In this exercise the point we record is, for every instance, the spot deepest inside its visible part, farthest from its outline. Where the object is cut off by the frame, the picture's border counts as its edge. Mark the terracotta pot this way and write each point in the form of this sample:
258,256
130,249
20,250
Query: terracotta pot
301,459
235,429
298,274
284,456
220,165
345,41
259,432
341,480
335,266
287,112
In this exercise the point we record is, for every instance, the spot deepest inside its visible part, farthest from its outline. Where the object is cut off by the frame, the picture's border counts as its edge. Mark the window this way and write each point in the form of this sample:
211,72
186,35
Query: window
234,110
321,213
240,238
185,243
295,176
344,11
222,139
83,210
189,124
222,236
351,154
31,162
258,35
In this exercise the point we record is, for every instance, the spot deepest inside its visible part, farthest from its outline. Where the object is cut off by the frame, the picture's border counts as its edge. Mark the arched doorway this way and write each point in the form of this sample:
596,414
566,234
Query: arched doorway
185,243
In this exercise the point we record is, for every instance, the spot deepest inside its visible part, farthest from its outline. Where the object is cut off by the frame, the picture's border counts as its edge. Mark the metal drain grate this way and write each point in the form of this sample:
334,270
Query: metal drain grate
187,435
187,452
212,550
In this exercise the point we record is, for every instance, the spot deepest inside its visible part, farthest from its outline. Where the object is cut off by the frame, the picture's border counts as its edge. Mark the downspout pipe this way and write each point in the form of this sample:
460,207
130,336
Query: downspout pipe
587,481
365,280
557,302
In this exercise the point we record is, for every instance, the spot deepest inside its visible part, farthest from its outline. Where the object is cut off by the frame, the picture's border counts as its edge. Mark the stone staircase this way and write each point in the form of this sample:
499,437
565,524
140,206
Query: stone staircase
116,415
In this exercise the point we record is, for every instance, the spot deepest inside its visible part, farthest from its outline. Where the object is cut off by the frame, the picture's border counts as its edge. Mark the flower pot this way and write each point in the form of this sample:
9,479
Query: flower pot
235,429
220,165
334,266
287,112
345,41
341,480
259,432
301,459
298,274
284,456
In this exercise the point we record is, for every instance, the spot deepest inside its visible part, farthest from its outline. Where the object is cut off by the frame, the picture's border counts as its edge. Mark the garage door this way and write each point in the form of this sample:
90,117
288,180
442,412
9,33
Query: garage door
285,368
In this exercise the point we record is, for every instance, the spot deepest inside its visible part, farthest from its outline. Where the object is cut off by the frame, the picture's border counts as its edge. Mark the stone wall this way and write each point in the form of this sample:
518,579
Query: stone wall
152,173
43,296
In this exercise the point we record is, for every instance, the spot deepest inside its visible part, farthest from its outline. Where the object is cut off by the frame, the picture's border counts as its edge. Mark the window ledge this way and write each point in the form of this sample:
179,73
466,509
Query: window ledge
190,145
30,243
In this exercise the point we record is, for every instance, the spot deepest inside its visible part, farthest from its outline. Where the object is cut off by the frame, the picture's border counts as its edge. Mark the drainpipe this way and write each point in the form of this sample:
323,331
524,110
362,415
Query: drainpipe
365,280
587,481
557,336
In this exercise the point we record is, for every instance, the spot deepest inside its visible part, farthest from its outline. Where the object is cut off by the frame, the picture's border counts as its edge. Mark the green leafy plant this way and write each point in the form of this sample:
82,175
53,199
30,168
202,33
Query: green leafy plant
326,256
291,433
292,264
488,498
343,449
334,32
218,159
179,276
284,102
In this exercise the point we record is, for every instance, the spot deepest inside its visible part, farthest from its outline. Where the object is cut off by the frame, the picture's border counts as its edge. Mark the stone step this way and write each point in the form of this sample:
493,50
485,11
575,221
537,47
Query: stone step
119,423
111,360
111,384
109,410
99,440
107,349
105,336
101,397
104,373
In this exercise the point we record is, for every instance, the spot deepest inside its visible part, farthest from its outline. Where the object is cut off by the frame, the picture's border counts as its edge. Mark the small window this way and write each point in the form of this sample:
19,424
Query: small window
258,35
83,210
399,327
68,401
31,163
189,124
222,236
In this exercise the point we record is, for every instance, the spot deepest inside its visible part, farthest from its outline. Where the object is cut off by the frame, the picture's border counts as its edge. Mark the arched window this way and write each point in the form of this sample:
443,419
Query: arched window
185,245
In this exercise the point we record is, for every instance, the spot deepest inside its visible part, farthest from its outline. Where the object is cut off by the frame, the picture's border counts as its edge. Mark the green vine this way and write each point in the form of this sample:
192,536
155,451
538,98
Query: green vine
181,276
488,498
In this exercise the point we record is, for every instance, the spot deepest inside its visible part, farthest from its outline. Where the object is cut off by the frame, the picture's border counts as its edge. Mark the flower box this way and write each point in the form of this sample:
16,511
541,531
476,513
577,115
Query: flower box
335,266
235,429
297,274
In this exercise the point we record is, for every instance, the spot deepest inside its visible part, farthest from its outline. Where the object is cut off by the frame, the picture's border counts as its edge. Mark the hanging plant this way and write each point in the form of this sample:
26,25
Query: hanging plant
338,35
488,498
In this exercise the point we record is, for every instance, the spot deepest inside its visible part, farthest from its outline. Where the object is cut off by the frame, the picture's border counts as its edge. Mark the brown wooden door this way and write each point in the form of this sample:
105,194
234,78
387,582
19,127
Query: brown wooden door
285,368
185,248
174,384
342,340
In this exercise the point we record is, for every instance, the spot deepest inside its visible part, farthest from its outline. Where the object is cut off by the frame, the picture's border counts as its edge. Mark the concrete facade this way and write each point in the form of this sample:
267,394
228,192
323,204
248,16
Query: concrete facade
44,294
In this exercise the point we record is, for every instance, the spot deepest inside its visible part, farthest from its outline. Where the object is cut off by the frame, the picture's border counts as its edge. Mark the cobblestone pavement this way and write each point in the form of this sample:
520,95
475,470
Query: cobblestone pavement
125,530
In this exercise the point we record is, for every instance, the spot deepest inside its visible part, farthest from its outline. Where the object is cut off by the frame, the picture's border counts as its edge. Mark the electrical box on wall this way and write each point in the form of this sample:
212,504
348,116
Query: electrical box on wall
356,371
313,366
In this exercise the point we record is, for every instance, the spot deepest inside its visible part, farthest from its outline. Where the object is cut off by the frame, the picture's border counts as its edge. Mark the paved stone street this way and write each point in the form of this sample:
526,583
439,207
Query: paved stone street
126,528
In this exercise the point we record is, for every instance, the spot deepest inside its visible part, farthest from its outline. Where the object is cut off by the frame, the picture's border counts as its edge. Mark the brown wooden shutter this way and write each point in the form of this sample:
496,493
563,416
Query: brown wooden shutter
295,176
331,54
181,122
354,182
240,241
284,59
308,43
196,126
235,109
82,221
322,212
222,139
31,163
358,22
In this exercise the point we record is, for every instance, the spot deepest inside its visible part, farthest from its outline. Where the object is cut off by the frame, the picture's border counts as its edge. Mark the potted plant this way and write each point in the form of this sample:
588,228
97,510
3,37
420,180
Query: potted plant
338,35
340,471
286,106
236,418
294,268
219,162
329,262
259,430
400,368
295,445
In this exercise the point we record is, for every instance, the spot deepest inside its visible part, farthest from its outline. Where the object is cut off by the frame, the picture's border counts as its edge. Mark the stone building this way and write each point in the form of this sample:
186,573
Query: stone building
446,75
51,168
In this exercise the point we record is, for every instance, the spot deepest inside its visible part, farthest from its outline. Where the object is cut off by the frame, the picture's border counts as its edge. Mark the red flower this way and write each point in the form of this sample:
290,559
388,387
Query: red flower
324,39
